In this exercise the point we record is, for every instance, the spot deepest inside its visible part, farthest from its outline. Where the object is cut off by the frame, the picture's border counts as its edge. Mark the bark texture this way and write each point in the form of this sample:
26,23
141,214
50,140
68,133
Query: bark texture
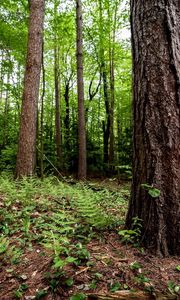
156,106
82,167
104,75
58,138
57,86
25,165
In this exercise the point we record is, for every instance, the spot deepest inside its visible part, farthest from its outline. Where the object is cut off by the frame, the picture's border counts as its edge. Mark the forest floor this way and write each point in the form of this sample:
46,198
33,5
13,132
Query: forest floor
61,241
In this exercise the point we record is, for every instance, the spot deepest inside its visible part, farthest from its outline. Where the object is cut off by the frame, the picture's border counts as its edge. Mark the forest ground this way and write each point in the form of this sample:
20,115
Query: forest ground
63,241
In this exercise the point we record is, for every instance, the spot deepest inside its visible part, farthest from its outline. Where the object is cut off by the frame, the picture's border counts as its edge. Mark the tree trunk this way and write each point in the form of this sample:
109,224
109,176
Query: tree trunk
1,75
106,122
67,116
25,165
82,167
6,109
42,116
57,105
156,107
112,41
58,134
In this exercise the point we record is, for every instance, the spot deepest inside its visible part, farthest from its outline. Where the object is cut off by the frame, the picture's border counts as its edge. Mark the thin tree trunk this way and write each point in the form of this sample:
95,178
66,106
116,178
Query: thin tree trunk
1,75
82,164
57,105
67,117
58,134
112,85
25,165
42,116
106,122
156,104
6,108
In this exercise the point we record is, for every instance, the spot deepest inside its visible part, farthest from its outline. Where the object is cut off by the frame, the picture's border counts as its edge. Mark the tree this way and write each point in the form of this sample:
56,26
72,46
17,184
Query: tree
156,99
25,165
80,86
57,91
107,73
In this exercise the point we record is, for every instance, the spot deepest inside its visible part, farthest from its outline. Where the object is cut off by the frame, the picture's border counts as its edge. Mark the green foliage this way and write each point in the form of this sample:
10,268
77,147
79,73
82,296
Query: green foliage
173,287
40,294
132,235
100,34
153,192
141,278
90,211
61,217
8,159
18,294
115,287
4,243
178,268
80,296
135,265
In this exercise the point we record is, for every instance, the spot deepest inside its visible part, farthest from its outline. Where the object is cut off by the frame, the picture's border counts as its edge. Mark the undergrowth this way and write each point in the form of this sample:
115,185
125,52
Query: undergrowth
54,214
59,220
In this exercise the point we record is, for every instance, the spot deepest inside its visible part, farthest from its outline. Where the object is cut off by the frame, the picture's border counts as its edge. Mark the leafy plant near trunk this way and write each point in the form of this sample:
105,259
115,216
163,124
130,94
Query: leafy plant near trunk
152,191
132,235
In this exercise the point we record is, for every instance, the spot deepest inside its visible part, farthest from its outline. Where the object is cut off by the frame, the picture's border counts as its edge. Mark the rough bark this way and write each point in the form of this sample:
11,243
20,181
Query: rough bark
67,115
25,165
1,74
57,105
6,110
112,81
103,71
82,165
58,133
156,104
42,116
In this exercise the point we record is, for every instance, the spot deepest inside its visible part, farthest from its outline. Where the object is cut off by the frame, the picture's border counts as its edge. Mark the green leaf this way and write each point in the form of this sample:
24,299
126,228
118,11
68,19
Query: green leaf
178,268
146,186
70,259
40,294
78,297
154,192
98,275
23,287
135,265
177,288
69,282
115,287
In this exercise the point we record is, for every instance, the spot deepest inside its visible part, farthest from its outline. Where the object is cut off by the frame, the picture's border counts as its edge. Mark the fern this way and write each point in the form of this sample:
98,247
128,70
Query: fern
57,231
88,208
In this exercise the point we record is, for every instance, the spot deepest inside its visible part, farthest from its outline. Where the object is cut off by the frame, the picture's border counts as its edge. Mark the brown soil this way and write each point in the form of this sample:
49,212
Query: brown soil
112,265
110,262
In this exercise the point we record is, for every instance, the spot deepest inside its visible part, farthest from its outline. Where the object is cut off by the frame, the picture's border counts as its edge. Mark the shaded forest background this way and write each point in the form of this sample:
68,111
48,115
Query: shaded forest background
107,83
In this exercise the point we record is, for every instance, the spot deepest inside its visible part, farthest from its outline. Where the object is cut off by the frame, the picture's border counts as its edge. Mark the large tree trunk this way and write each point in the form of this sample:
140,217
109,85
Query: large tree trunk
82,167
27,138
156,62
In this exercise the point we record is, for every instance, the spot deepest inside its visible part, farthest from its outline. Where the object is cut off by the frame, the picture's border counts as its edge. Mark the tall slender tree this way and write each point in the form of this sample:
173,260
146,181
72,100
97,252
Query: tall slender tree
156,104
82,165
103,70
25,165
58,137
